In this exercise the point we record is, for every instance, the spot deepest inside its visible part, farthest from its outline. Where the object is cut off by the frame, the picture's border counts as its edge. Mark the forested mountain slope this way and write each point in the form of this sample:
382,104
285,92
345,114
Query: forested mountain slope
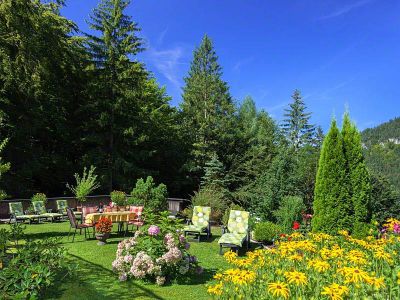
382,150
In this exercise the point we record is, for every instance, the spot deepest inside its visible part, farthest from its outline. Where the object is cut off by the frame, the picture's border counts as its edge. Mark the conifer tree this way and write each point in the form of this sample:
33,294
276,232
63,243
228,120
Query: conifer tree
332,201
358,175
296,126
207,107
214,174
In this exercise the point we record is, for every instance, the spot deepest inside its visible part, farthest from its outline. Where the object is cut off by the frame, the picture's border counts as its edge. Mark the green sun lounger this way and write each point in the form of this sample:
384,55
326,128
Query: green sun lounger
238,231
40,209
17,213
200,222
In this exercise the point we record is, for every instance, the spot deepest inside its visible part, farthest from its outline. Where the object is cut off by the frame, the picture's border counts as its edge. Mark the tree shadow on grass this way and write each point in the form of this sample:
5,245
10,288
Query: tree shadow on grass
93,281
196,279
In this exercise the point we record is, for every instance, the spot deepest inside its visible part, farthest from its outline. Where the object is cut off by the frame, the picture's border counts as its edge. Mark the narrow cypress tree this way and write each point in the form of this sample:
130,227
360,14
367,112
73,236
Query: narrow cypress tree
332,206
358,175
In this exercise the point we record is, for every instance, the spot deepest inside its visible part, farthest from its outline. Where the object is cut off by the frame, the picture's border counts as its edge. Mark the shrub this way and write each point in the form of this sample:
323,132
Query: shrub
212,198
225,217
118,197
266,231
33,267
148,194
289,211
156,252
85,184
39,197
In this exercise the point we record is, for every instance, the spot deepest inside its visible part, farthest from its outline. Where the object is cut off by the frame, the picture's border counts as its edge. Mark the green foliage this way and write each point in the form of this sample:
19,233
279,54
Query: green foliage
4,167
266,231
296,125
207,108
225,217
289,211
118,197
358,175
214,174
332,207
39,197
43,262
85,184
212,198
148,194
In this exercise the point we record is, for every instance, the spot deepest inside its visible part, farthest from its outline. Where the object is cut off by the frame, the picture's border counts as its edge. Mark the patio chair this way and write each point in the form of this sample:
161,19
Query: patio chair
75,225
137,219
62,206
200,222
40,209
237,231
17,213
87,210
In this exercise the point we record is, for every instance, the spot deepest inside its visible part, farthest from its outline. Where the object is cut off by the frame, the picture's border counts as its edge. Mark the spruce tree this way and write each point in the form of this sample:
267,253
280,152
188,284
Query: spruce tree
214,175
207,107
332,201
358,175
296,126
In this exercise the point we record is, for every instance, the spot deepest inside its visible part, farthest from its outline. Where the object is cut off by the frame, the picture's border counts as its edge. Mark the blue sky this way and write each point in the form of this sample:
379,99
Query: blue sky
338,53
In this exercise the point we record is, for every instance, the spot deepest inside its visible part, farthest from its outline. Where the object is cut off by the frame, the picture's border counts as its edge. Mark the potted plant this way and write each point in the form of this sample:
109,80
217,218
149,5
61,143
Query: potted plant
266,232
119,198
103,229
85,184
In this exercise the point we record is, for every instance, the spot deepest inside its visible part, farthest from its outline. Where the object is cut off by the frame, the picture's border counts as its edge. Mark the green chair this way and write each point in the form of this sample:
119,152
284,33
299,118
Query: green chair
238,231
40,209
62,206
17,213
200,222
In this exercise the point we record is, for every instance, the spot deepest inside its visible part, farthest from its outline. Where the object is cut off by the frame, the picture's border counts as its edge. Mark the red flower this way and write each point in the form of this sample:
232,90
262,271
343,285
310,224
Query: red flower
296,225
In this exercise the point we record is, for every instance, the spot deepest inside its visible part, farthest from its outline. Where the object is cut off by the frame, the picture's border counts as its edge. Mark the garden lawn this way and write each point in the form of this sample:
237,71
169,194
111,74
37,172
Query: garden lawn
94,278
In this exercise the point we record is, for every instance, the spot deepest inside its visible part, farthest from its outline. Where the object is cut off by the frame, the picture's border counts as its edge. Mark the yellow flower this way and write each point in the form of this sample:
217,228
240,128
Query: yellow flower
319,265
298,278
278,289
382,255
295,257
353,275
243,277
343,232
335,291
230,256
218,276
215,289
376,282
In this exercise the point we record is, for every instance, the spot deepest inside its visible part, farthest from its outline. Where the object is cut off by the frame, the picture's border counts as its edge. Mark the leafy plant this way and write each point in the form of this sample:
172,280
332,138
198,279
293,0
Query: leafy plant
118,197
39,197
85,184
148,194
104,225
4,167
266,231
289,211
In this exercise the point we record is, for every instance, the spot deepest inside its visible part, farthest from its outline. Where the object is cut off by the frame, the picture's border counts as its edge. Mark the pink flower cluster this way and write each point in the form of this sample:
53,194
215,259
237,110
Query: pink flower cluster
138,264
396,228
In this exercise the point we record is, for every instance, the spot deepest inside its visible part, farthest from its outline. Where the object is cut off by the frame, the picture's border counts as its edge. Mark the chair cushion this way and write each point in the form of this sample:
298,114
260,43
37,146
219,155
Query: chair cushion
232,238
201,216
238,221
194,228
52,215
136,223
16,208
62,205
39,207
84,225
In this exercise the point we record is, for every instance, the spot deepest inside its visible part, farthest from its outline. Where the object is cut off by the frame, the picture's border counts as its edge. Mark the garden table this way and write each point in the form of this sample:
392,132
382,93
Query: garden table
116,217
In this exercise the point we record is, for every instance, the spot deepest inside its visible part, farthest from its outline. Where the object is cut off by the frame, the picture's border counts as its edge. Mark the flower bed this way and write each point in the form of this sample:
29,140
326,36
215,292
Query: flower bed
154,256
316,266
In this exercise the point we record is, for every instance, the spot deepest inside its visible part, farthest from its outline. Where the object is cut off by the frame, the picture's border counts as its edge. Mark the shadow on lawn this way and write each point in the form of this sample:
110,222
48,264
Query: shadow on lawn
93,281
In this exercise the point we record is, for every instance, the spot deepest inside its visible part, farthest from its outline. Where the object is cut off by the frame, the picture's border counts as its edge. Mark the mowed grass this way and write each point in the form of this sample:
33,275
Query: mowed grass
94,278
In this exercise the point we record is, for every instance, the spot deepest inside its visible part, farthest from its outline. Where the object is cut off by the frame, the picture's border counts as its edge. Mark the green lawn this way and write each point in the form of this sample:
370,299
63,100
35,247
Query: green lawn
95,279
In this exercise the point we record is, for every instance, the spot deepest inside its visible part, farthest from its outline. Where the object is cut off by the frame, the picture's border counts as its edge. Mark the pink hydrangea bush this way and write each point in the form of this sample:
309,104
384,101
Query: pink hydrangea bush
154,256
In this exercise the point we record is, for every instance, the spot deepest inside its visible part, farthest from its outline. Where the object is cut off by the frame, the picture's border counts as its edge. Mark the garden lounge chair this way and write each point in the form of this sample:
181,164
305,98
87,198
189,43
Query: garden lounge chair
40,209
137,219
200,222
62,206
75,225
238,231
17,213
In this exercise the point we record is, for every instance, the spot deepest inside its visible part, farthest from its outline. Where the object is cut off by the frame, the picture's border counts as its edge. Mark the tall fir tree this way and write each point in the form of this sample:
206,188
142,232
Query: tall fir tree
207,108
358,175
297,125
332,201
214,175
